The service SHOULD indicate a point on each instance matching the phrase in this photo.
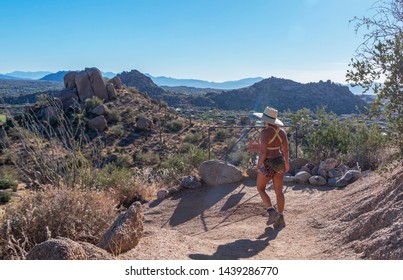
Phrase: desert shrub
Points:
(147, 158)
(239, 158)
(185, 147)
(130, 116)
(194, 137)
(174, 126)
(5, 197)
(92, 102)
(7, 183)
(53, 154)
(222, 134)
(349, 140)
(124, 161)
(80, 215)
(127, 185)
(120, 181)
(116, 130)
(114, 116)
(185, 163)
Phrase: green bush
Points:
(194, 137)
(174, 126)
(350, 140)
(114, 116)
(116, 130)
(7, 183)
(185, 163)
(5, 197)
(92, 102)
(120, 181)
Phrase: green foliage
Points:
(120, 181)
(222, 134)
(124, 161)
(194, 137)
(7, 183)
(5, 197)
(147, 158)
(116, 130)
(174, 126)
(114, 116)
(3, 118)
(93, 102)
(381, 56)
(351, 140)
(185, 163)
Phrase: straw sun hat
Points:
(269, 115)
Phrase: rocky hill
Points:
(142, 83)
(280, 93)
(286, 94)
(55, 77)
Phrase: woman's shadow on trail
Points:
(241, 249)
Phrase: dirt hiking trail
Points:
(360, 221)
(229, 222)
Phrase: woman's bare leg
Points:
(278, 182)
(261, 188)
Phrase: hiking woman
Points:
(273, 163)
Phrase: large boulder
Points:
(83, 83)
(67, 249)
(68, 97)
(217, 172)
(302, 177)
(98, 123)
(110, 88)
(125, 232)
(190, 182)
(97, 83)
(57, 249)
(117, 82)
(95, 253)
(348, 178)
(317, 181)
(328, 164)
(69, 80)
(144, 124)
(333, 173)
(296, 164)
(99, 110)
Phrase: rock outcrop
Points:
(98, 123)
(217, 172)
(67, 249)
(85, 84)
(125, 232)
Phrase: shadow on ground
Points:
(241, 249)
(193, 204)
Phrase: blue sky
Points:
(215, 40)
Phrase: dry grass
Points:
(80, 215)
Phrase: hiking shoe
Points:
(273, 216)
(280, 221)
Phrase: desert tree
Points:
(380, 58)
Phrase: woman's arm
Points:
(284, 148)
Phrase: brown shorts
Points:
(274, 165)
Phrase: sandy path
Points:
(229, 222)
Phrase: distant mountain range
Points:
(173, 82)
(5, 77)
(36, 75)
